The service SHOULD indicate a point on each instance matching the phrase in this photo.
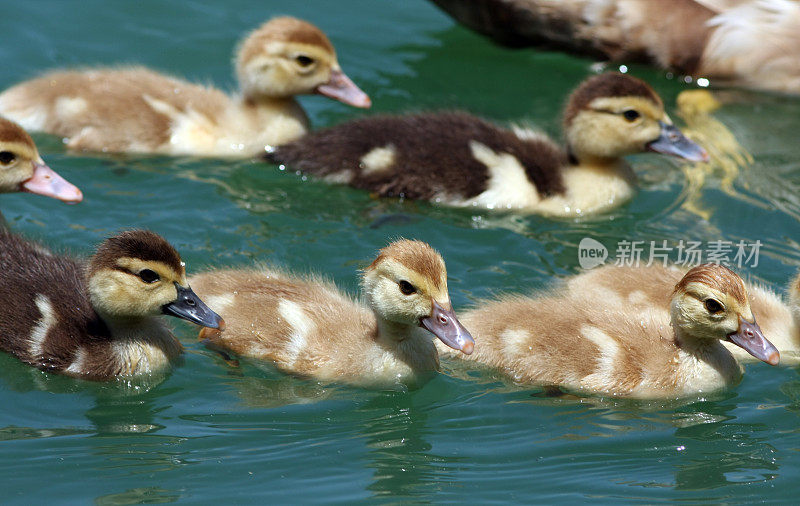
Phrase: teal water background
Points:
(207, 433)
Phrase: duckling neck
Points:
(140, 328)
(591, 185)
(413, 344)
(589, 161)
(705, 361)
(140, 345)
(272, 120)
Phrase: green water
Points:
(208, 433)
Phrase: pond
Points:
(210, 433)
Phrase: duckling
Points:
(137, 110)
(751, 43)
(22, 169)
(98, 319)
(309, 328)
(598, 346)
(649, 287)
(726, 155)
(460, 160)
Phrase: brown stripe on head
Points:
(12, 132)
(718, 277)
(283, 29)
(138, 244)
(418, 256)
(608, 85)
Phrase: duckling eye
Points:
(6, 157)
(631, 115)
(148, 276)
(406, 287)
(303, 60)
(713, 306)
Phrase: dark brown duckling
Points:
(97, 319)
(459, 160)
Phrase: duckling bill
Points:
(456, 159)
(97, 319)
(23, 170)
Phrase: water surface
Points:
(208, 433)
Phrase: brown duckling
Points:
(137, 110)
(23, 170)
(593, 344)
(752, 43)
(459, 160)
(309, 328)
(98, 319)
(650, 287)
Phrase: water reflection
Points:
(708, 448)
(260, 385)
(715, 451)
(396, 435)
(144, 495)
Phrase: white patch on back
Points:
(637, 297)
(527, 134)
(300, 324)
(69, 107)
(513, 341)
(32, 117)
(378, 160)
(608, 350)
(219, 303)
(342, 177)
(508, 186)
(188, 129)
(77, 365)
(43, 326)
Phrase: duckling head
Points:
(286, 57)
(138, 274)
(407, 285)
(22, 169)
(711, 302)
(613, 115)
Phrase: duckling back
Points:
(449, 157)
(119, 110)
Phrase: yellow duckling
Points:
(137, 110)
(725, 153)
(459, 160)
(309, 328)
(649, 287)
(22, 169)
(593, 344)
